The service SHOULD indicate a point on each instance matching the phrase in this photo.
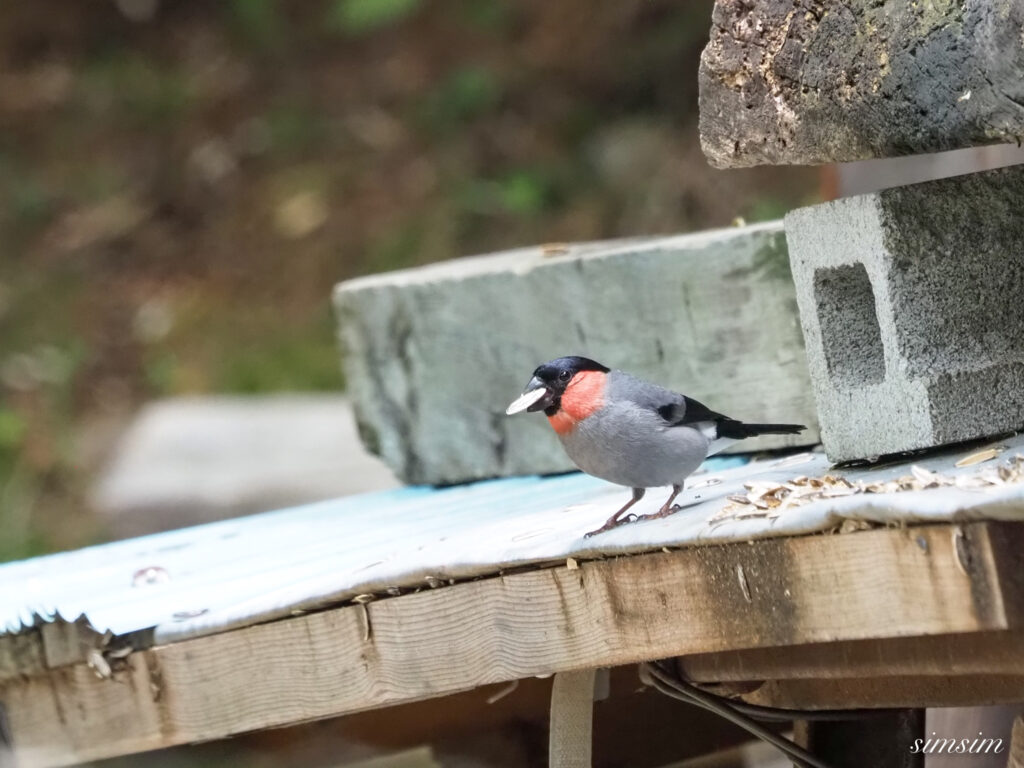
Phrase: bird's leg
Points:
(614, 520)
(667, 508)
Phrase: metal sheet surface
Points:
(213, 577)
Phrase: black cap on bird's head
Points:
(549, 382)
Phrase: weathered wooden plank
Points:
(68, 642)
(21, 654)
(48, 645)
(962, 654)
(780, 592)
(6, 749)
(72, 711)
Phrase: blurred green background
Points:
(181, 185)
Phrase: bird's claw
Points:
(610, 525)
(630, 518)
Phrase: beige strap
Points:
(572, 713)
(1016, 757)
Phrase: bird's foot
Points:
(613, 522)
(663, 512)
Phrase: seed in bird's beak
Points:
(525, 400)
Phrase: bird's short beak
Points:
(536, 397)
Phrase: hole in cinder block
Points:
(849, 326)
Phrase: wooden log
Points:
(884, 583)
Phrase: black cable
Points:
(781, 715)
(663, 682)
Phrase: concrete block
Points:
(806, 82)
(912, 305)
(186, 461)
(433, 355)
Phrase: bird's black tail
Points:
(737, 430)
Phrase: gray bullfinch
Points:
(628, 431)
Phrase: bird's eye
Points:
(563, 375)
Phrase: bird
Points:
(628, 431)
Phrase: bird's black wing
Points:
(726, 427)
(689, 411)
(679, 410)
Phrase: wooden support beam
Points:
(979, 653)
(896, 691)
(884, 583)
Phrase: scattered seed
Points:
(977, 458)
(744, 587)
(99, 664)
(554, 249)
(769, 499)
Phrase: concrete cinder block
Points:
(912, 305)
(806, 82)
(433, 355)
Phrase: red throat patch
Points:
(583, 395)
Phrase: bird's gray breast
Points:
(629, 445)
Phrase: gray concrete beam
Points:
(433, 355)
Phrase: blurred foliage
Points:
(181, 184)
(358, 17)
(258, 22)
(466, 93)
(485, 14)
(151, 96)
